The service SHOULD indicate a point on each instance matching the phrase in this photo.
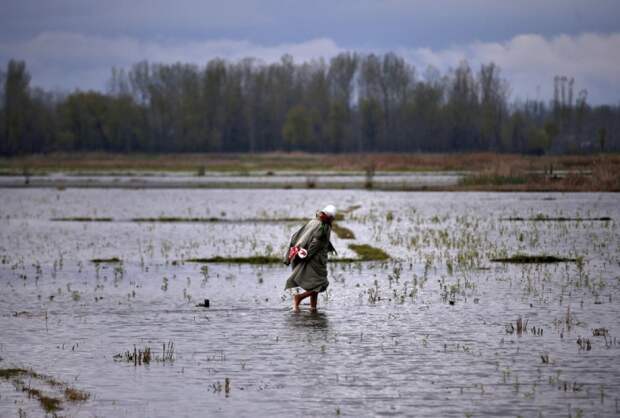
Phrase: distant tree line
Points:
(354, 103)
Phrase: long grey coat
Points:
(310, 273)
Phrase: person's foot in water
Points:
(313, 300)
(296, 300)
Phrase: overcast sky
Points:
(70, 44)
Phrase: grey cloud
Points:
(528, 61)
(352, 23)
(531, 61)
(74, 43)
(71, 60)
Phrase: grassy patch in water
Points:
(530, 259)
(174, 219)
(75, 395)
(170, 219)
(351, 208)
(178, 219)
(342, 232)
(106, 260)
(340, 215)
(81, 219)
(489, 179)
(369, 253)
(365, 253)
(49, 404)
(11, 372)
(256, 259)
(543, 218)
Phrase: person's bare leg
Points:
(298, 298)
(314, 297)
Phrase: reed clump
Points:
(145, 355)
(138, 356)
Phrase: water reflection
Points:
(306, 319)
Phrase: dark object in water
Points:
(206, 304)
(524, 258)
(600, 332)
(584, 343)
(451, 302)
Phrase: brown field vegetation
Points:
(303, 161)
(484, 171)
(567, 173)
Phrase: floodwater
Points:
(425, 334)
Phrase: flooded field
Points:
(440, 329)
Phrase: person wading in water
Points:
(307, 253)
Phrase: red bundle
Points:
(292, 252)
(295, 251)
